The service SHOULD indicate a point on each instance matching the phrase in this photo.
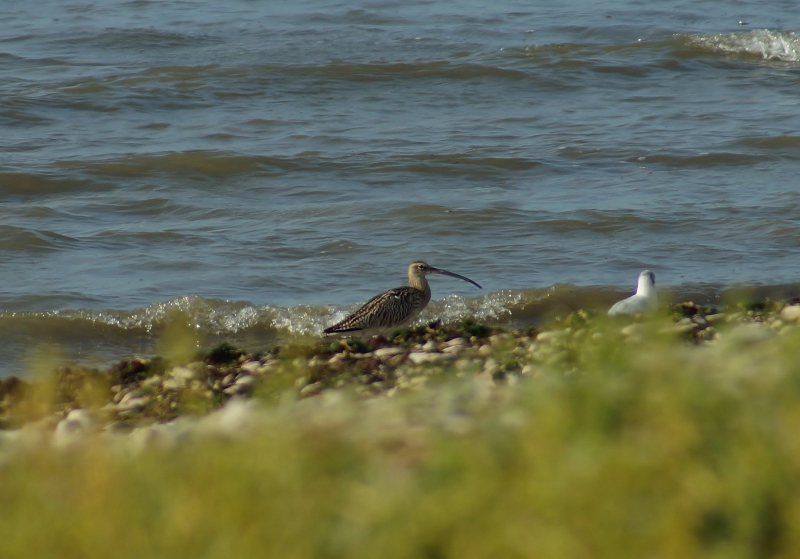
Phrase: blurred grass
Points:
(652, 448)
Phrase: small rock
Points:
(454, 349)
(419, 357)
(228, 380)
(73, 428)
(338, 358)
(184, 373)
(153, 381)
(485, 350)
(133, 404)
(387, 352)
(130, 396)
(791, 313)
(491, 366)
(430, 345)
(173, 384)
(685, 328)
(549, 336)
(311, 389)
(251, 366)
(243, 384)
(714, 318)
(735, 317)
(707, 334)
(246, 380)
(632, 330)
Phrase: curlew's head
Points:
(418, 270)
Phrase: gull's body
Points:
(395, 308)
(645, 300)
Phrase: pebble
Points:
(128, 396)
(714, 318)
(173, 384)
(184, 373)
(243, 384)
(311, 389)
(387, 352)
(73, 428)
(457, 342)
(491, 366)
(551, 336)
(418, 357)
(133, 404)
(632, 330)
(681, 328)
(251, 366)
(430, 345)
(734, 317)
(153, 381)
(500, 338)
(791, 313)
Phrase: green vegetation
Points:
(590, 439)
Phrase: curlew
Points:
(394, 308)
(644, 301)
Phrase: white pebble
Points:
(72, 428)
(791, 313)
(251, 366)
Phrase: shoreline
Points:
(140, 392)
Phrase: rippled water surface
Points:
(252, 169)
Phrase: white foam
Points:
(769, 45)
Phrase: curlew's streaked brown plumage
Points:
(394, 308)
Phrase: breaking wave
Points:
(759, 43)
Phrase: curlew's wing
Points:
(390, 308)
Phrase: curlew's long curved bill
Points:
(441, 272)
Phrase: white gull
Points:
(645, 300)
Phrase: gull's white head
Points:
(647, 283)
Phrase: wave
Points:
(510, 307)
(216, 164)
(758, 43)
(96, 338)
(30, 184)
